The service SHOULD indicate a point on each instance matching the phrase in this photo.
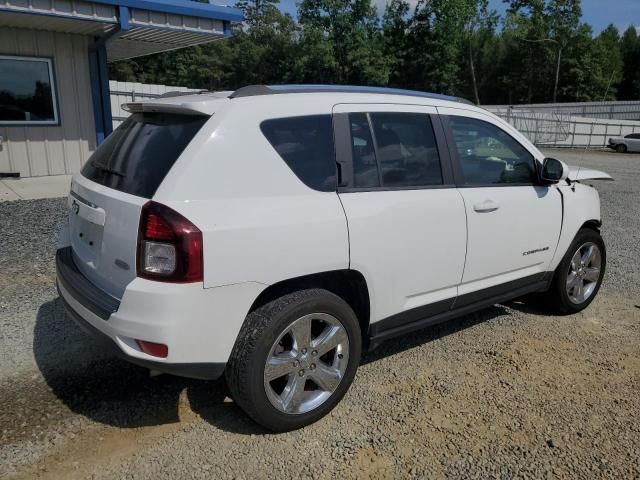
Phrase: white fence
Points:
(623, 110)
(124, 92)
(578, 125)
(548, 128)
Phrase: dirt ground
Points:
(510, 392)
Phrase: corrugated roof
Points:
(147, 26)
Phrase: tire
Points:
(276, 333)
(566, 298)
(621, 148)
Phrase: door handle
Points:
(486, 206)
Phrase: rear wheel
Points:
(294, 359)
(621, 148)
(579, 276)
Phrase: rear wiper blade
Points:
(106, 169)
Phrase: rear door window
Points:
(406, 148)
(306, 146)
(365, 165)
(137, 156)
(401, 153)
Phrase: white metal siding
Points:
(49, 12)
(549, 128)
(620, 110)
(52, 150)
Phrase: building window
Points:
(27, 91)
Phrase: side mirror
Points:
(553, 171)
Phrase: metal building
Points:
(54, 88)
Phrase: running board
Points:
(379, 335)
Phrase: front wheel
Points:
(294, 359)
(621, 148)
(579, 275)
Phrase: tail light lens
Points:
(169, 246)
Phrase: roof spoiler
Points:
(195, 108)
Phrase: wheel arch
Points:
(593, 224)
(581, 209)
(348, 284)
(566, 240)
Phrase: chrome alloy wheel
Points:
(306, 363)
(584, 273)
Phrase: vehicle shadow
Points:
(534, 304)
(432, 333)
(86, 377)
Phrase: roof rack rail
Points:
(178, 93)
(255, 90)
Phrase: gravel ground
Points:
(509, 392)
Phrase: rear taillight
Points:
(169, 246)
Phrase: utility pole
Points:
(555, 87)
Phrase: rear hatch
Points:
(118, 179)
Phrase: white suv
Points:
(272, 233)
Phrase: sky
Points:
(598, 13)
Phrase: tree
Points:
(262, 50)
(480, 35)
(530, 26)
(265, 49)
(563, 17)
(348, 32)
(629, 88)
(608, 55)
(542, 52)
(427, 57)
(593, 67)
(395, 26)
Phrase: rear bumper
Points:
(199, 325)
(203, 371)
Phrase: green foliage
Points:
(459, 47)
(629, 88)
(346, 34)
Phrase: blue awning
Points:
(186, 8)
(134, 27)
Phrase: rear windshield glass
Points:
(137, 156)
(306, 145)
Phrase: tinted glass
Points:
(633, 136)
(137, 156)
(365, 166)
(489, 155)
(406, 149)
(26, 90)
(306, 146)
